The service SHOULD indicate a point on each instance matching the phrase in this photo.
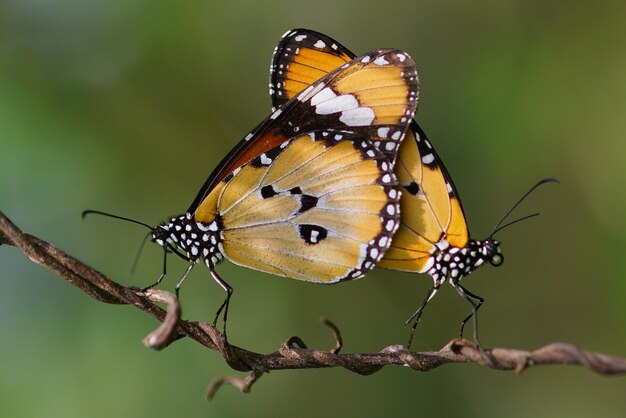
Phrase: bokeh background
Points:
(126, 106)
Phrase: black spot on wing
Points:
(412, 188)
(307, 202)
(312, 234)
(296, 190)
(268, 191)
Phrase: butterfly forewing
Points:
(299, 60)
(324, 217)
(431, 209)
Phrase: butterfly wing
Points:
(375, 90)
(431, 210)
(430, 204)
(323, 209)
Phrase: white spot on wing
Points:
(383, 132)
(428, 158)
(276, 114)
(335, 104)
(443, 244)
(362, 116)
(381, 61)
(319, 44)
(325, 95)
(265, 160)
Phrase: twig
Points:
(165, 333)
(293, 354)
(338, 340)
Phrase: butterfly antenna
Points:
(523, 218)
(498, 226)
(143, 242)
(110, 215)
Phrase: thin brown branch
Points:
(293, 354)
(338, 340)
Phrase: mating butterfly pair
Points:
(328, 187)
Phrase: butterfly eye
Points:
(158, 234)
(496, 260)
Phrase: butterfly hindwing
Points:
(431, 208)
(323, 210)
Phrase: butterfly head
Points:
(160, 234)
(489, 250)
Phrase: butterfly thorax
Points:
(195, 239)
(454, 263)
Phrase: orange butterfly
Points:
(433, 237)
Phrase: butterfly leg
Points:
(182, 279)
(475, 301)
(226, 303)
(418, 313)
(143, 289)
(478, 305)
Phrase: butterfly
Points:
(433, 236)
(307, 194)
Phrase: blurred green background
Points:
(126, 106)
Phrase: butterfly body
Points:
(454, 263)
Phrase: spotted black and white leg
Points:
(182, 279)
(143, 289)
(226, 303)
(418, 313)
(471, 298)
